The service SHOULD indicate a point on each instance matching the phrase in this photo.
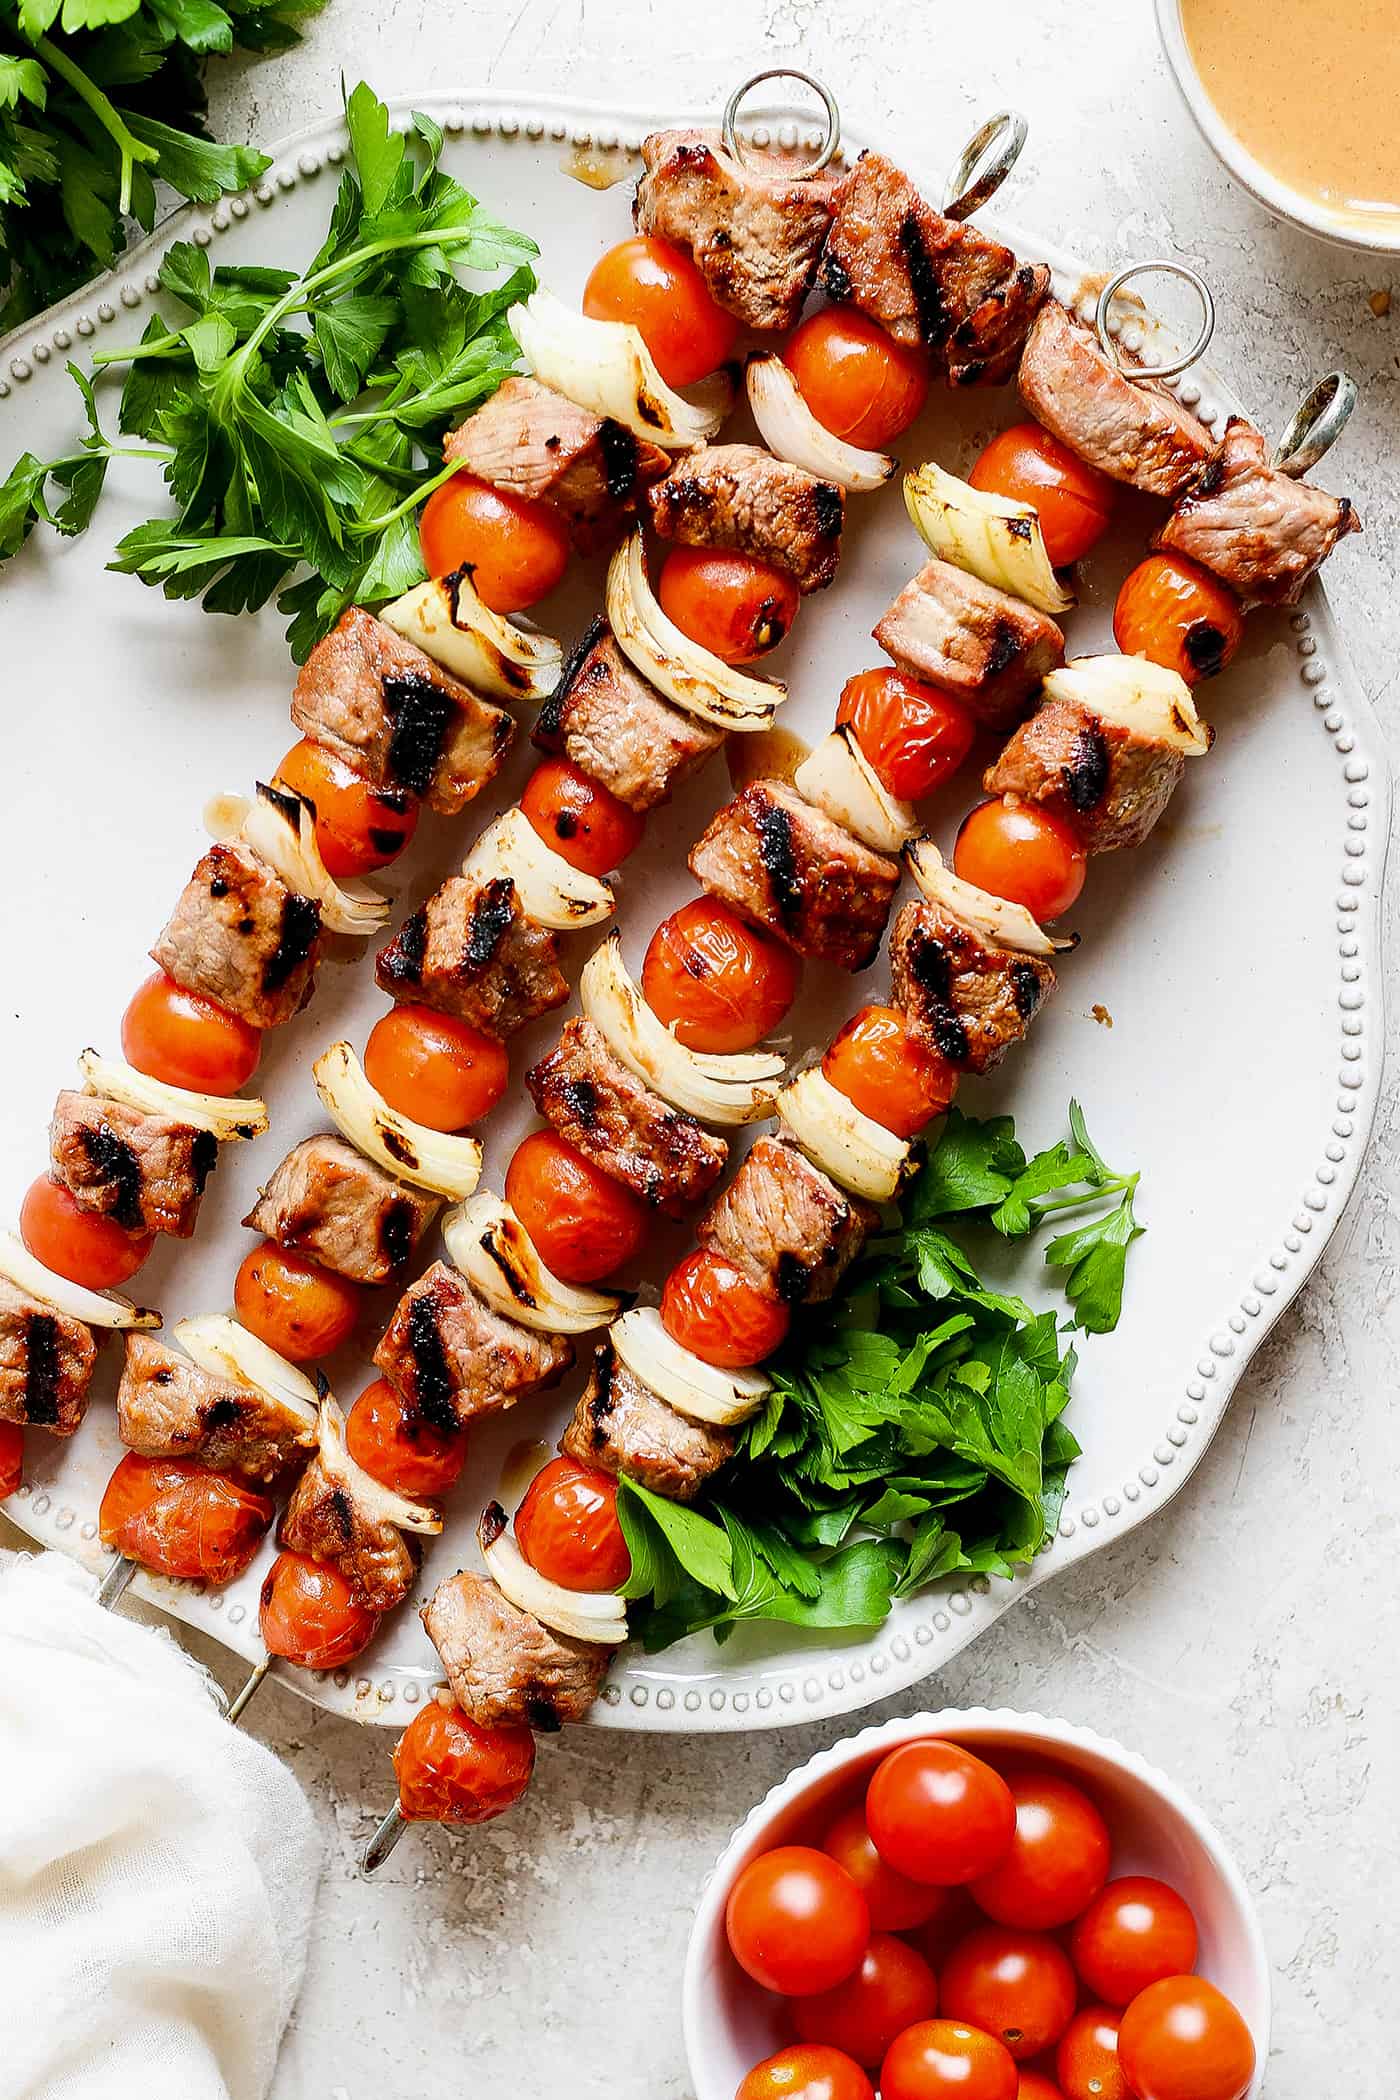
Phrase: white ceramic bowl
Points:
(730, 2024)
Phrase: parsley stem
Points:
(161, 346)
(1113, 1185)
(411, 502)
(108, 116)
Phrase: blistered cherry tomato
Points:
(734, 605)
(892, 1988)
(435, 1068)
(879, 1063)
(896, 1904)
(1176, 613)
(720, 984)
(295, 1307)
(1019, 851)
(806, 2071)
(11, 1458)
(1135, 1932)
(1182, 2039)
(709, 1306)
(943, 2060)
(398, 1448)
(1074, 501)
(450, 1770)
(796, 1922)
(186, 1039)
(659, 290)
(178, 1518)
(859, 383)
(307, 1614)
(358, 827)
(516, 549)
(1017, 1985)
(1058, 1857)
(938, 1813)
(79, 1244)
(1086, 2061)
(1034, 2085)
(914, 736)
(581, 819)
(583, 1222)
(567, 1528)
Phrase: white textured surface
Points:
(1247, 1640)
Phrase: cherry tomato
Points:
(879, 1063)
(1021, 852)
(1074, 501)
(943, 2060)
(295, 1307)
(11, 1458)
(1135, 1932)
(859, 383)
(891, 1989)
(450, 1770)
(583, 1222)
(709, 1306)
(1086, 2062)
(516, 549)
(914, 736)
(896, 1904)
(720, 984)
(79, 1244)
(1019, 1985)
(939, 1814)
(659, 290)
(358, 827)
(1034, 2085)
(1182, 2039)
(796, 1922)
(180, 1519)
(187, 1040)
(734, 605)
(1058, 1858)
(398, 1448)
(307, 1614)
(581, 819)
(806, 2071)
(1176, 613)
(438, 1070)
(567, 1527)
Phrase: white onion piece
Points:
(1133, 693)
(224, 1348)
(996, 920)
(724, 1089)
(788, 427)
(428, 1159)
(446, 619)
(839, 778)
(551, 892)
(605, 367)
(992, 537)
(857, 1152)
(580, 1615)
(93, 1308)
(689, 676)
(224, 1116)
(488, 1243)
(682, 1380)
(280, 828)
(381, 1505)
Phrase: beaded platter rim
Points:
(926, 1631)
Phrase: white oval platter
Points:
(1221, 1021)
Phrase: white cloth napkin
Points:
(157, 1867)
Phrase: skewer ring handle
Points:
(984, 163)
(1172, 366)
(826, 153)
(1316, 424)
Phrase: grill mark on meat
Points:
(1004, 650)
(835, 278)
(1025, 990)
(1086, 775)
(402, 961)
(923, 282)
(220, 1414)
(492, 1525)
(396, 1232)
(491, 917)
(41, 1369)
(218, 886)
(204, 1157)
(779, 860)
(433, 1379)
(540, 1711)
(932, 969)
(621, 452)
(792, 1278)
(581, 1100)
(301, 926)
(341, 1513)
(420, 712)
(830, 509)
(114, 1160)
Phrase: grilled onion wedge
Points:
(858, 1153)
(991, 918)
(995, 538)
(839, 778)
(280, 828)
(93, 1308)
(605, 367)
(381, 1505)
(788, 427)
(1132, 693)
(580, 1615)
(488, 1243)
(447, 620)
(428, 1159)
(224, 1116)
(683, 1381)
(692, 678)
(727, 1089)
(224, 1348)
(551, 891)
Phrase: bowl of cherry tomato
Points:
(976, 1906)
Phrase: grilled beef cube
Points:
(1133, 430)
(503, 1665)
(452, 1358)
(595, 1103)
(987, 648)
(538, 444)
(928, 280)
(46, 1363)
(754, 229)
(1257, 529)
(240, 936)
(167, 1407)
(966, 998)
(606, 718)
(786, 1225)
(328, 1201)
(472, 952)
(788, 867)
(742, 497)
(397, 718)
(622, 1426)
(1109, 782)
(144, 1172)
(324, 1520)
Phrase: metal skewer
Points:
(826, 153)
(383, 1841)
(113, 1585)
(247, 1690)
(1316, 424)
(1170, 368)
(984, 163)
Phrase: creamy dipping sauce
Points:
(1311, 88)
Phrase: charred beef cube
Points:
(786, 1225)
(604, 717)
(503, 1665)
(452, 1358)
(742, 497)
(538, 444)
(472, 952)
(328, 1201)
(622, 1426)
(1109, 782)
(596, 1104)
(969, 1000)
(240, 936)
(325, 1520)
(755, 230)
(1131, 429)
(396, 718)
(46, 1363)
(988, 649)
(1256, 529)
(783, 865)
(144, 1172)
(167, 1407)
